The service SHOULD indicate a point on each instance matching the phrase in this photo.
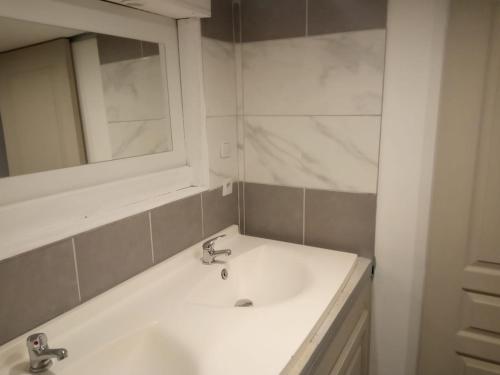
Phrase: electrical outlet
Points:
(227, 187)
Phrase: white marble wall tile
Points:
(219, 131)
(325, 152)
(134, 90)
(219, 73)
(137, 138)
(333, 74)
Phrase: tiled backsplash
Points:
(38, 285)
(311, 86)
(277, 19)
(327, 75)
(308, 77)
(322, 218)
(322, 152)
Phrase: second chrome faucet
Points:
(40, 354)
(209, 253)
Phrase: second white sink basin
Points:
(145, 351)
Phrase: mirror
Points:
(70, 97)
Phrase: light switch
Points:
(225, 150)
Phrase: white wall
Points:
(415, 45)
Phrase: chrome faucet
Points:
(40, 353)
(209, 254)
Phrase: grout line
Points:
(76, 270)
(202, 221)
(307, 17)
(151, 237)
(304, 216)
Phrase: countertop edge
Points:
(312, 346)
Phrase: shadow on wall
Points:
(4, 167)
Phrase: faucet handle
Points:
(37, 342)
(209, 244)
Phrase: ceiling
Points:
(16, 34)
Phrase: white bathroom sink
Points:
(145, 351)
(266, 275)
(180, 318)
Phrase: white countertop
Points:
(179, 316)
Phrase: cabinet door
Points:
(356, 365)
(354, 357)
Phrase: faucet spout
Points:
(40, 354)
(59, 354)
(209, 253)
(222, 252)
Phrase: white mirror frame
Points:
(40, 208)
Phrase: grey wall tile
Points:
(334, 16)
(113, 253)
(265, 20)
(340, 221)
(274, 212)
(219, 212)
(176, 226)
(35, 287)
(220, 25)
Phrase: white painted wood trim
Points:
(31, 224)
(90, 15)
(91, 98)
(416, 31)
(171, 8)
(193, 98)
(101, 17)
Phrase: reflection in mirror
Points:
(69, 97)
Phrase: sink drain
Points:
(224, 274)
(244, 302)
